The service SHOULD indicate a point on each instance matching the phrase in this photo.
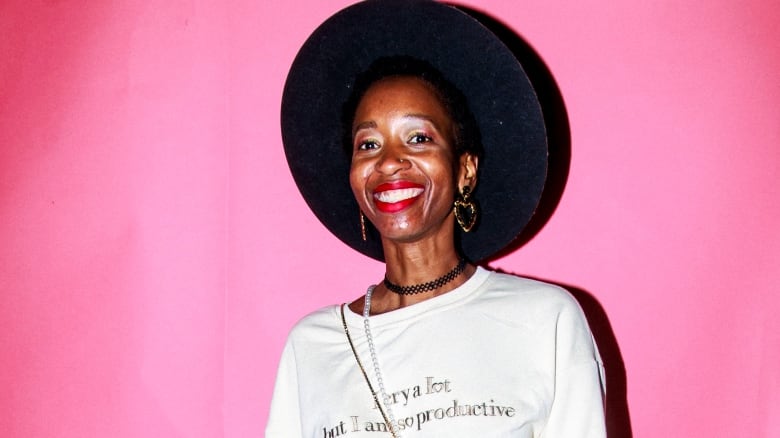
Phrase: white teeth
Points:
(391, 196)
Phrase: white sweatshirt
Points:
(500, 356)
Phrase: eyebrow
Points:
(428, 119)
(363, 125)
(372, 124)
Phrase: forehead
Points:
(403, 93)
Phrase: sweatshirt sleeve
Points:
(284, 419)
(577, 410)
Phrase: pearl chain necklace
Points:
(385, 399)
(375, 362)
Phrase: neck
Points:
(437, 283)
(417, 263)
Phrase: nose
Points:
(392, 160)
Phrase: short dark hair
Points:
(467, 137)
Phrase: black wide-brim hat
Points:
(513, 169)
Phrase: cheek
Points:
(357, 181)
(443, 174)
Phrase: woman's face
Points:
(404, 173)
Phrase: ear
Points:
(467, 171)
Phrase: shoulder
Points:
(324, 318)
(315, 338)
(320, 327)
(526, 291)
(548, 310)
(528, 302)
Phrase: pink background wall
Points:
(154, 250)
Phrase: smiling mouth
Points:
(398, 195)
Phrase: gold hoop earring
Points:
(465, 209)
(363, 226)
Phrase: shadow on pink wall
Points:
(559, 144)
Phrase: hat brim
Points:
(513, 169)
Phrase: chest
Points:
(439, 382)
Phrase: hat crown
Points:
(506, 108)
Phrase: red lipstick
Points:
(392, 197)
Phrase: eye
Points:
(419, 137)
(366, 145)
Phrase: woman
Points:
(440, 346)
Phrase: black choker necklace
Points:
(431, 285)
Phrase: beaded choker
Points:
(429, 286)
